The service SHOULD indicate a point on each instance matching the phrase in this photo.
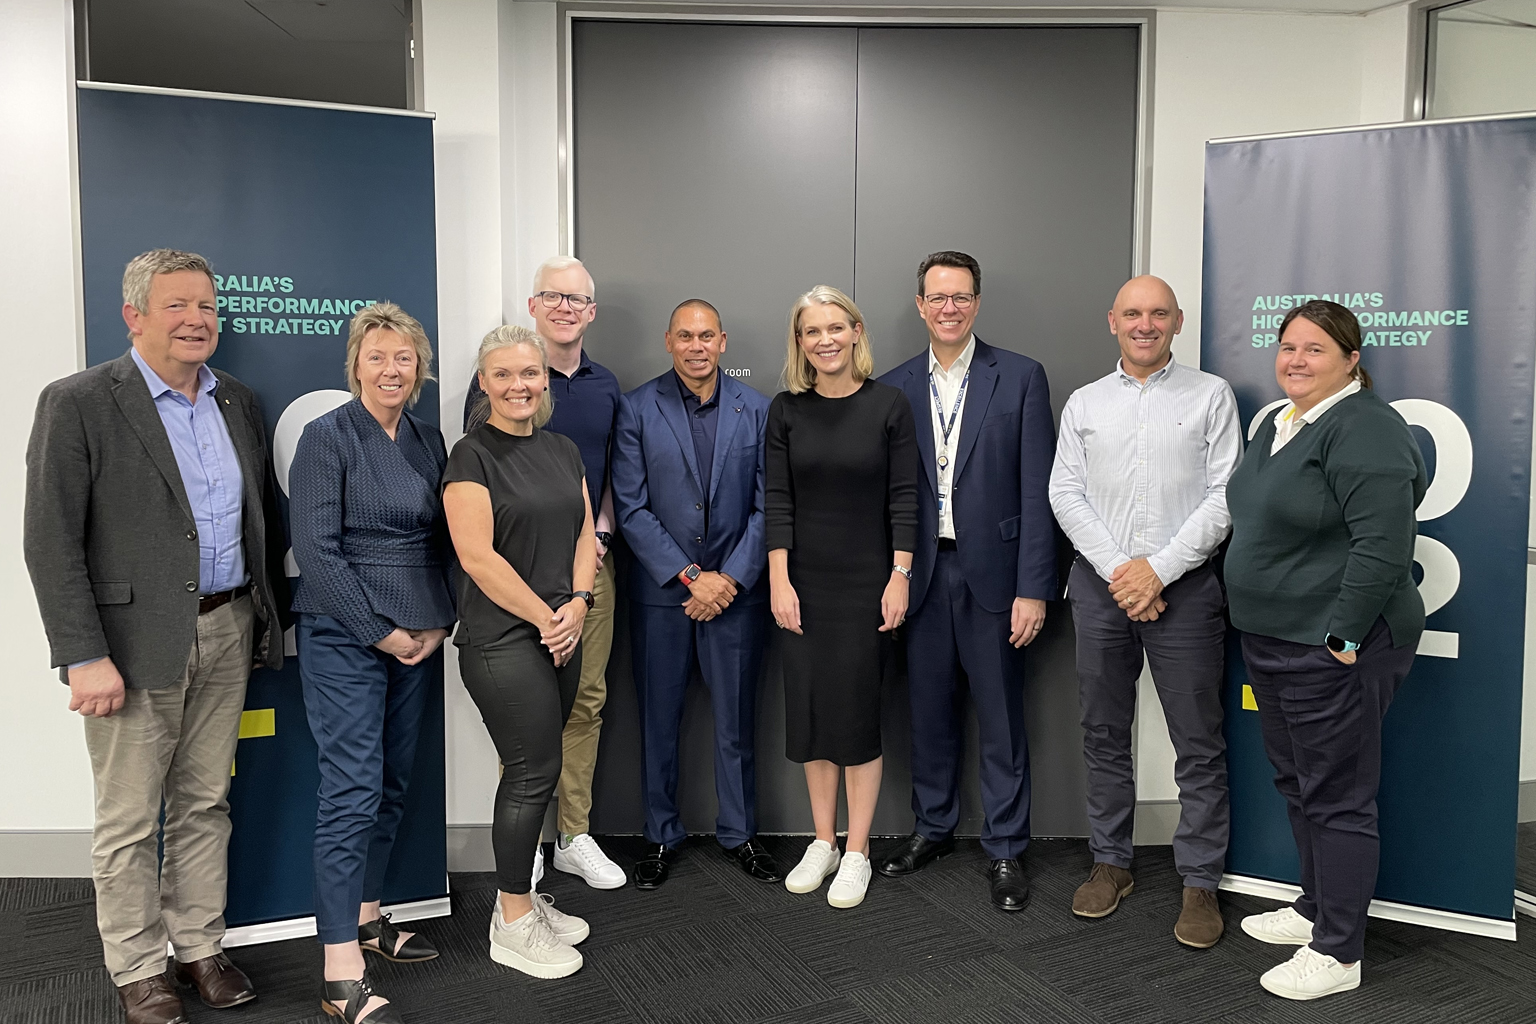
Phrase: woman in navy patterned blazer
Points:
(374, 600)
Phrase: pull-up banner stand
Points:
(307, 213)
(1427, 231)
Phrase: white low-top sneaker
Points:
(852, 881)
(821, 859)
(530, 945)
(568, 928)
(1283, 927)
(1310, 975)
(584, 858)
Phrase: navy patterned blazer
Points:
(366, 517)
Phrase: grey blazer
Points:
(109, 537)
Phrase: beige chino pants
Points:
(582, 729)
(173, 746)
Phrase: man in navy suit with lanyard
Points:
(984, 567)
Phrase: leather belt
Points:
(947, 544)
(208, 602)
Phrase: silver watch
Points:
(903, 570)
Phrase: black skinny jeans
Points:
(524, 700)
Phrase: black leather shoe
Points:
(913, 854)
(382, 931)
(654, 865)
(755, 861)
(1010, 889)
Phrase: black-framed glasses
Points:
(552, 300)
(962, 300)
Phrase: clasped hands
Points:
(710, 594)
(1136, 588)
(412, 646)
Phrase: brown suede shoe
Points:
(218, 981)
(1200, 924)
(152, 1001)
(1107, 885)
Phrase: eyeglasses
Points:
(552, 300)
(962, 300)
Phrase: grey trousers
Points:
(1185, 648)
(172, 747)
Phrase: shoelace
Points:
(1309, 961)
(544, 903)
(586, 847)
(848, 872)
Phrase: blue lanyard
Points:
(938, 407)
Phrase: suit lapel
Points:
(673, 411)
(916, 388)
(727, 419)
(131, 392)
(978, 397)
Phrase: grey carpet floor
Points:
(714, 947)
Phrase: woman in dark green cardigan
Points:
(1319, 581)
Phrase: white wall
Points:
(1483, 68)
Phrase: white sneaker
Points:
(821, 859)
(568, 928)
(852, 881)
(530, 945)
(582, 856)
(1283, 927)
(1310, 975)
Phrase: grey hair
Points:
(143, 268)
(386, 316)
(506, 336)
(554, 265)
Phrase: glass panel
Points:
(1482, 58)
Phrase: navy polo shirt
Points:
(586, 411)
(703, 418)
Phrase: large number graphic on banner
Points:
(307, 215)
(1425, 232)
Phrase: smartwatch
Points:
(585, 595)
(604, 538)
(690, 574)
(1341, 646)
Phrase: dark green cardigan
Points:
(1323, 530)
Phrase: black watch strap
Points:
(585, 595)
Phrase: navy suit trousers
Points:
(1321, 721)
(951, 632)
(728, 650)
(364, 709)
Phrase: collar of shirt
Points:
(1311, 415)
(688, 395)
(957, 368)
(206, 381)
(1153, 378)
(583, 367)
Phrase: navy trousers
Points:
(728, 650)
(364, 709)
(1321, 721)
(948, 633)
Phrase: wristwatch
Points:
(604, 538)
(690, 574)
(903, 570)
(585, 595)
(1341, 646)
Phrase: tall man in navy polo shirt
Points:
(586, 408)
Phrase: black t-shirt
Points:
(535, 484)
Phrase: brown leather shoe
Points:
(219, 982)
(1200, 924)
(152, 1001)
(1107, 885)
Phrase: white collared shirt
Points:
(948, 383)
(1288, 424)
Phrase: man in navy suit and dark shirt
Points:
(688, 487)
(984, 567)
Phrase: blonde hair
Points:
(554, 265)
(799, 374)
(386, 316)
(506, 336)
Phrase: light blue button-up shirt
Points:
(210, 472)
(1141, 469)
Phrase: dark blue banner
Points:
(307, 215)
(1427, 232)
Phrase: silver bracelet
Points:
(903, 570)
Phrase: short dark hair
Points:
(699, 303)
(949, 258)
(1336, 321)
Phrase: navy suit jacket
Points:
(661, 504)
(1005, 534)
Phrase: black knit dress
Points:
(842, 497)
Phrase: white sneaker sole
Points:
(845, 902)
(1286, 993)
(596, 883)
(802, 887)
(508, 958)
(1272, 938)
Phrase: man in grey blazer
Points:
(147, 511)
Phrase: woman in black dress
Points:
(842, 522)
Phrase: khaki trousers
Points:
(579, 740)
(170, 747)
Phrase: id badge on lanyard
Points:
(945, 427)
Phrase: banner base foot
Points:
(1446, 920)
(304, 927)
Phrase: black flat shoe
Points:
(654, 866)
(383, 931)
(355, 996)
(1010, 889)
(913, 854)
(755, 861)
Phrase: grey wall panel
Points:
(1016, 145)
